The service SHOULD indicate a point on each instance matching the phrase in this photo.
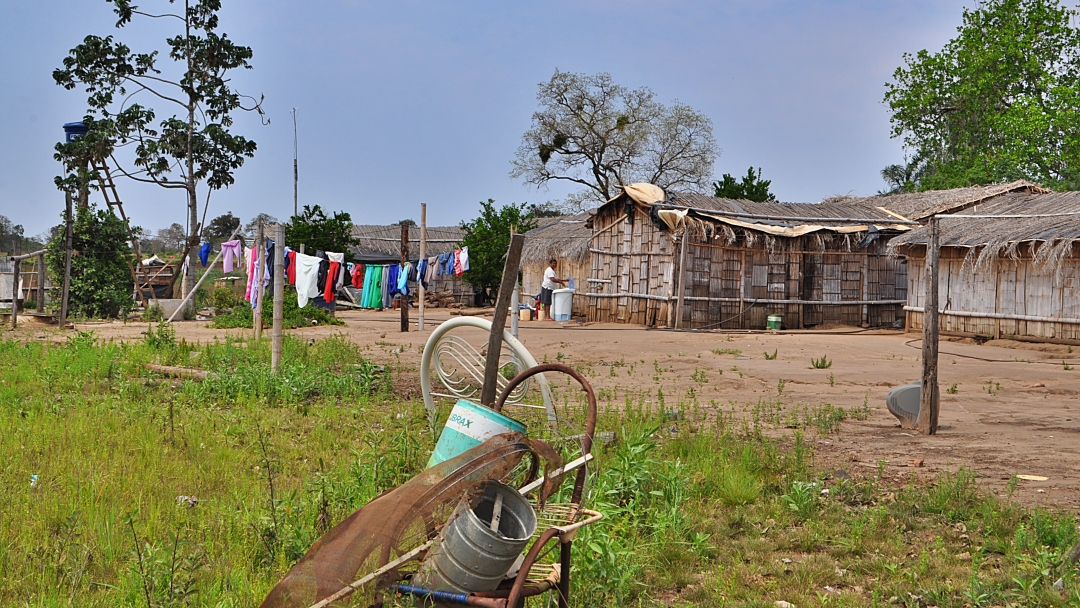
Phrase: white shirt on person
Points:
(549, 276)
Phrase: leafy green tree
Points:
(221, 227)
(317, 232)
(127, 90)
(599, 135)
(1000, 101)
(100, 278)
(750, 188)
(488, 238)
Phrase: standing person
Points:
(550, 284)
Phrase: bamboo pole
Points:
(66, 289)
(15, 294)
(403, 300)
(682, 279)
(279, 297)
(259, 268)
(515, 301)
(502, 303)
(929, 397)
(41, 282)
(423, 256)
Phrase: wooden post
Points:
(515, 299)
(929, 395)
(682, 278)
(66, 288)
(403, 299)
(502, 303)
(423, 256)
(41, 283)
(279, 297)
(260, 268)
(15, 294)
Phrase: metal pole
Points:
(295, 171)
(279, 297)
(403, 300)
(929, 396)
(66, 289)
(502, 303)
(423, 256)
(260, 267)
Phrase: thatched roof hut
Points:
(921, 205)
(1002, 272)
(382, 244)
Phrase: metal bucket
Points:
(773, 321)
(468, 426)
(469, 556)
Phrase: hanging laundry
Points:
(269, 265)
(464, 259)
(433, 265)
(232, 252)
(331, 282)
(339, 277)
(403, 279)
(358, 276)
(204, 253)
(289, 261)
(386, 287)
(250, 252)
(307, 277)
(392, 278)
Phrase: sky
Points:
(405, 102)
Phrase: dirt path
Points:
(1017, 413)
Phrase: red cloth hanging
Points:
(358, 276)
(331, 282)
(290, 274)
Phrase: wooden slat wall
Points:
(640, 259)
(1016, 287)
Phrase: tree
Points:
(903, 178)
(597, 134)
(173, 237)
(100, 279)
(1000, 101)
(488, 239)
(750, 188)
(192, 147)
(12, 237)
(221, 227)
(265, 218)
(317, 232)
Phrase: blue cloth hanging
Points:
(204, 253)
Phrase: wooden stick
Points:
(260, 268)
(66, 289)
(682, 279)
(15, 295)
(423, 256)
(403, 300)
(181, 372)
(929, 396)
(502, 304)
(41, 283)
(279, 297)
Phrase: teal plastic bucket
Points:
(470, 425)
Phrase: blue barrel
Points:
(470, 425)
(74, 130)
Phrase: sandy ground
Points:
(1016, 408)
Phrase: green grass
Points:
(700, 511)
(239, 313)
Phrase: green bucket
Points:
(468, 426)
(773, 321)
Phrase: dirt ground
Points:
(1015, 407)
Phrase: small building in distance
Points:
(382, 245)
(565, 238)
(1002, 276)
(698, 262)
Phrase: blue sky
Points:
(406, 102)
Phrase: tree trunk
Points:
(193, 238)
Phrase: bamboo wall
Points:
(1049, 300)
(641, 266)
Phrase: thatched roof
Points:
(1047, 239)
(830, 213)
(564, 238)
(921, 205)
(383, 243)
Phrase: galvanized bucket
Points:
(470, 425)
(469, 555)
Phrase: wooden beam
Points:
(929, 401)
(260, 269)
(502, 305)
(423, 256)
(279, 298)
(403, 300)
(41, 283)
(680, 290)
(15, 295)
(66, 288)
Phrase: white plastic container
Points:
(562, 304)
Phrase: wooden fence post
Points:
(502, 303)
(41, 283)
(279, 297)
(15, 294)
(423, 256)
(929, 397)
(403, 300)
(682, 277)
(259, 269)
(66, 288)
